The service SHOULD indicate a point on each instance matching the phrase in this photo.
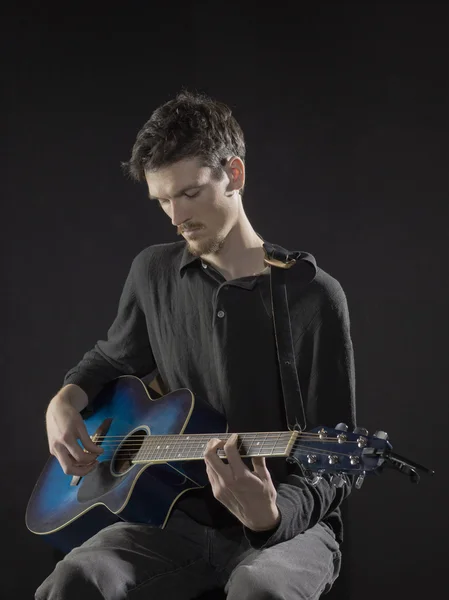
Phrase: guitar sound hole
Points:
(125, 453)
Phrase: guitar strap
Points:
(281, 261)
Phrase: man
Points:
(198, 312)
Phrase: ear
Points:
(235, 170)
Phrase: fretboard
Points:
(164, 448)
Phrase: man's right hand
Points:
(65, 427)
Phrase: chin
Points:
(200, 247)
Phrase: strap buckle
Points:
(278, 257)
(274, 262)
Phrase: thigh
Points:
(302, 568)
(134, 561)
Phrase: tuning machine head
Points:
(339, 480)
(360, 479)
(341, 427)
(361, 430)
(315, 478)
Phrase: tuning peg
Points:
(341, 427)
(360, 479)
(338, 480)
(316, 478)
(383, 435)
(361, 430)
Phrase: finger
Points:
(69, 465)
(260, 467)
(215, 462)
(87, 442)
(238, 467)
(72, 446)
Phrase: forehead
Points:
(170, 180)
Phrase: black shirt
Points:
(178, 316)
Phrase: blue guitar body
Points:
(144, 493)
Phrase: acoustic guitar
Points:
(153, 454)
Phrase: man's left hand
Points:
(249, 495)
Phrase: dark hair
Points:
(191, 125)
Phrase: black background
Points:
(344, 109)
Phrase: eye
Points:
(192, 195)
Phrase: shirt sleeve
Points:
(126, 350)
(330, 393)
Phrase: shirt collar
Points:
(272, 251)
(188, 260)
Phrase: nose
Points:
(179, 213)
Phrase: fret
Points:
(165, 446)
(150, 449)
(171, 443)
(157, 448)
(202, 447)
(177, 446)
(248, 449)
(188, 449)
(263, 443)
(141, 453)
(174, 450)
(278, 438)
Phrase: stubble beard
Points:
(213, 245)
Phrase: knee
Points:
(66, 581)
(253, 583)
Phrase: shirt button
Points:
(204, 265)
(220, 314)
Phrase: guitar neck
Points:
(169, 448)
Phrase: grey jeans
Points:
(185, 559)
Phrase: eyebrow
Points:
(181, 192)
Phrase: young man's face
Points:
(202, 209)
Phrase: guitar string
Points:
(197, 446)
(154, 439)
(198, 438)
(311, 433)
(221, 435)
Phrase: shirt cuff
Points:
(91, 388)
(281, 533)
(259, 539)
(266, 538)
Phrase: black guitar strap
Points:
(281, 261)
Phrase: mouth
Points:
(190, 232)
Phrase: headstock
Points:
(340, 452)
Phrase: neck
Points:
(161, 448)
(242, 253)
